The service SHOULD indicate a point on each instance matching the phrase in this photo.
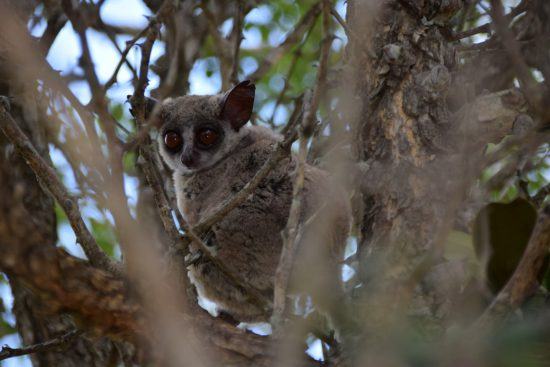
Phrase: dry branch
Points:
(308, 20)
(523, 282)
(489, 118)
(100, 301)
(64, 341)
(280, 151)
(529, 85)
(237, 37)
(48, 177)
(105, 305)
(349, 33)
(124, 54)
(290, 234)
(138, 101)
(487, 27)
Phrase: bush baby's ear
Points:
(237, 104)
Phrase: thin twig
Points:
(222, 45)
(528, 83)
(56, 22)
(160, 197)
(47, 175)
(137, 100)
(112, 37)
(296, 55)
(281, 150)
(308, 20)
(145, 126)
(129, 44)
(290, 234)
(146, 48)
(163, 205)
(224, 49)
(349, 33)
(56, 344)
(309, 114)
(237, 37)
(282, 94)
(541, 195)
(486, 28)
(282, 274)
(86, 62)
(171, 77)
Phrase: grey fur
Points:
(248, 240)
(185, 113)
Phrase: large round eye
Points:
(207, 136)
(173, 141)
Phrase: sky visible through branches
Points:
(204, 78)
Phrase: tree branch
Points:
(530, 87)
(106, 305)
(282, 274)
(490, 117)
(281, 150)
(129, 44)
(524, 280)
(308, 20)
(62, 342)
(485, 28)
(48, 177)
(237, 36)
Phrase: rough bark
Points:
(410, 147)
(403, 70)
(27, 219)
(420, 149)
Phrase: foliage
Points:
(487, 249)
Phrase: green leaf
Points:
(104, 235)
(129, 163)
(60, 215)
(6, 328)
(117, 111)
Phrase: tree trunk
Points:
(401, 65)
(27, 218)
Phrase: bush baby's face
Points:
(198, 131)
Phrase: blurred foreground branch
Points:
(47, 176)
